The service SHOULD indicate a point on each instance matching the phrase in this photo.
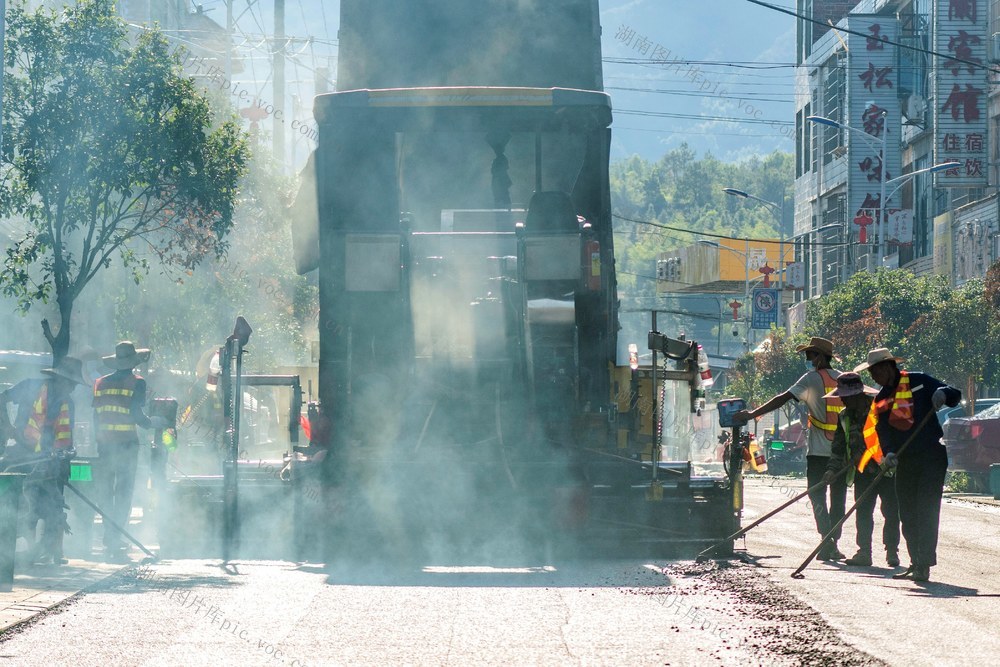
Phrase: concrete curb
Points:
(38, 589)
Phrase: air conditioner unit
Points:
(916, 107)
(994, 54)
(868, 262)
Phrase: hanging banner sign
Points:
(900, 227)
(796, 272)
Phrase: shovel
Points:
(871, 489)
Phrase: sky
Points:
(737, 61)
(736, 57)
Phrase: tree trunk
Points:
(970, 394)
(60, 341)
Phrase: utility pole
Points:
(229, 41)
(3, 36)
(279, 81)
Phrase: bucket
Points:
(10, 498)
(995, 480)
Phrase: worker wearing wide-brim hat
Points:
(907, 401)
(43, 437)
(811, 389)
(848, 451)
(118, 410)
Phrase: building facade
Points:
(897, 124)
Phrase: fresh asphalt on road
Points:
(583, 612)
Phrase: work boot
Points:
(892, 557)
(829, 551)
(119, 556)
(905, 574)
(921, 573)
(862, 559)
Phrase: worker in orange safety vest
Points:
(855, 445)
(903, 403)
(118, 410)
(812, 389)
(43, 446)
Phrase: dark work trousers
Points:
(885, 494)
(919, 484)
(43, 487)
(826, 515)
(116, 476)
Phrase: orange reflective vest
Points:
(901, 416)
(113, 417)
(873, 449)
(900, 409)
(62, 429)
(833, 407)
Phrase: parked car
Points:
(961, 410)
(974, 442)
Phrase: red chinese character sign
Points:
(961, 92)
(872, 108)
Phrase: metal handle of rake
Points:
(871, 489)
(104, 517)
(743, 531)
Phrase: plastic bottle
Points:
(759, 461)
(704, 368)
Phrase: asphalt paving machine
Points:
(468, 336)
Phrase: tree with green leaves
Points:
(935, 341)
(656, 200)
(184, 317)
(770, 370)
(109, 153)
(873, 309)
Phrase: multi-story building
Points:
(908, 84)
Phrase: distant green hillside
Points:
(684, 192)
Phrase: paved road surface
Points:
(950, 620)
(595, 612)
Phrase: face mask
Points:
(808, 364)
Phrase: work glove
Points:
(890, 460)
(159, 423)
(938, 398)
(828, 477)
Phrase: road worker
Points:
(907, 401)
(854, 427)
(118, 409)
(43, 437)
(812, 388)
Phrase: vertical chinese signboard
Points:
(960, 92)
(873, 108)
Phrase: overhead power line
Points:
(686, 116)
(869, 36)
(721, 236)
(687, 93)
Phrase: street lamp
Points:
(778, 208)
(822, 120)
(944, 166)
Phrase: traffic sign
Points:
(765, 308)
